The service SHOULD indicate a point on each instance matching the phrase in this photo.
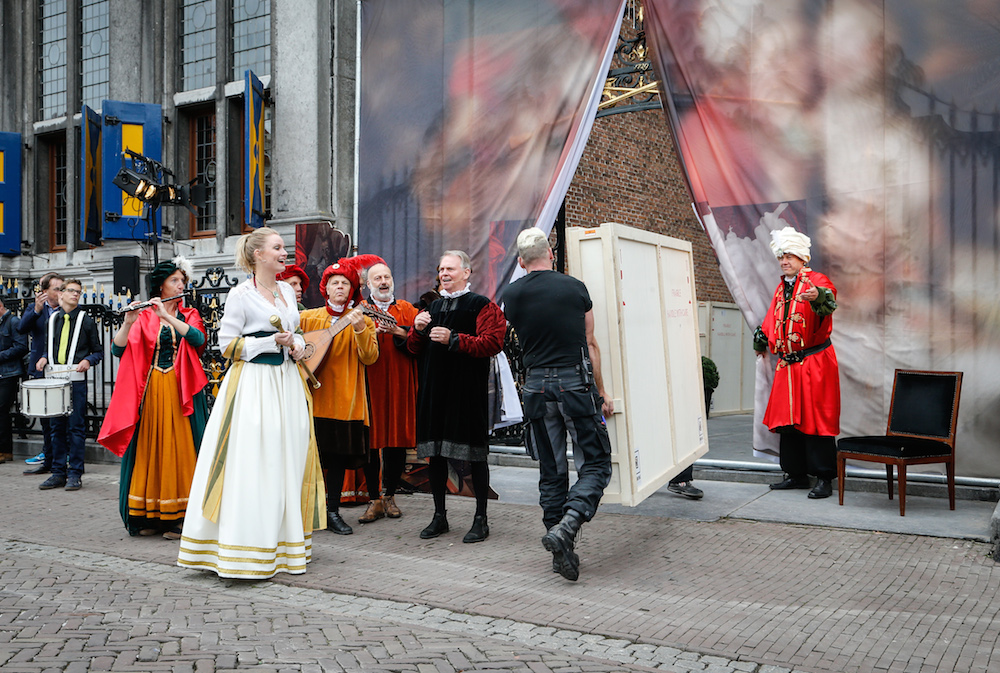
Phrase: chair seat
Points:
(894, 447)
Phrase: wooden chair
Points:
(921, 430)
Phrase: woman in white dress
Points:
(257, 493)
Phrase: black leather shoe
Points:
(480, 530)
(560, 541)
(41, 469)
(790, 483)
(336, 524)
(557, 562)
(74, 483)
(823, 489)
(437, 526)
(52, 482)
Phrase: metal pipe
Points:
(858, 472)
(357, 125)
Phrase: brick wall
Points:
(630, 174)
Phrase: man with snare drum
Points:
(72, 346)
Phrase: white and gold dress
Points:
(257, 493)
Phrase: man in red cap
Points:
(297, 278)
(340, 404)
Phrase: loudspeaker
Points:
(126, 275)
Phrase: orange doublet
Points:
(343, 394)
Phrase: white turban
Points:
(789, 240)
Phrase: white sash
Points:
(67, 371)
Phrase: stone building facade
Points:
(189, 58)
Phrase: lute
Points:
(318, 341)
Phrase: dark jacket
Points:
(13, 347)
(87, 348)
(36, 325)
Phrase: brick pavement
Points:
(720, 596)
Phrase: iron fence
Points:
(208, 296)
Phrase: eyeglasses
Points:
(72, 291)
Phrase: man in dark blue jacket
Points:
(34, 322)
(13, 348)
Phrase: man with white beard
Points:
(392, 389)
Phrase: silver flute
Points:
(147, 304)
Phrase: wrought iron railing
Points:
(208, 296)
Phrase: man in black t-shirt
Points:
(563, 394)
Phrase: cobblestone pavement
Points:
(78, 611)
(77, 594)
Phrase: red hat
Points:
(294, 270)
(350, 268)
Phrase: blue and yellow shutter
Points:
(253, 108)
(10, 193)
(91, 217)
(138, 127)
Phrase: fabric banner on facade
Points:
(473, 118)
(873, 127)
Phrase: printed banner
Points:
(873, 128)
(473, 118)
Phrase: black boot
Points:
(437, 526)
(822, 489)
(335, 523)
(790, 482)
(560, 540)
(480, 530)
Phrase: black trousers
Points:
(803, 454)
(560, 402)
(8, 391)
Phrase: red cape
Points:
(130, 384)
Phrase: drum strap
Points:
(71, 353)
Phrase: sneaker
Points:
(36, 460)
(52, 482)
(74, 483)
(686, 488)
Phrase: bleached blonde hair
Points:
(532, 244)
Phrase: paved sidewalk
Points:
(655, 593)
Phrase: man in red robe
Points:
(392, 389)
(804, 407)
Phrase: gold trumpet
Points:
(276, 323)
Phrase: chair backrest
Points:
(925, 404)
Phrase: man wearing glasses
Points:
(72, 346)
(35, 322)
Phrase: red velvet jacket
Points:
(806, 394)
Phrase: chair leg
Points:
(888, 478)
(902, 488)
(841, 469)
(950, 465)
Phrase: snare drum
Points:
(46, 397)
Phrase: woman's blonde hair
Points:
(248, 244)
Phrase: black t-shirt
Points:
(547, 311)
